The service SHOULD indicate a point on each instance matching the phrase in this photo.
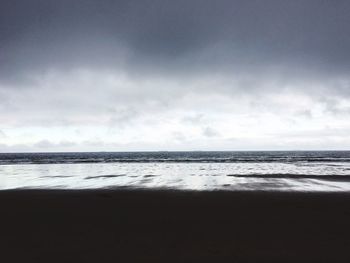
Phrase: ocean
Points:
(240, 170)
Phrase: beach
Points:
(173, 226)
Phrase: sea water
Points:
(262, 171)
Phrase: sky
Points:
(154, 75)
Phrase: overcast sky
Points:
(125, 75)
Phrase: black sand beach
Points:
(173, 226)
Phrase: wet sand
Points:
(173, 226)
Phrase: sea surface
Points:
(265, 171)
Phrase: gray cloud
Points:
(210, 132)
(193, 118)
(2, 134)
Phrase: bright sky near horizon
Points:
(174, 75)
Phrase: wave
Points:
(192, 160)
(343, 178)
(175, 157)
(105, 176)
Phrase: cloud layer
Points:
(174, 75)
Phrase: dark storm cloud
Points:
(174, 37)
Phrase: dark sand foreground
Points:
(173, 226)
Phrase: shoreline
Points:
(126, 225)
